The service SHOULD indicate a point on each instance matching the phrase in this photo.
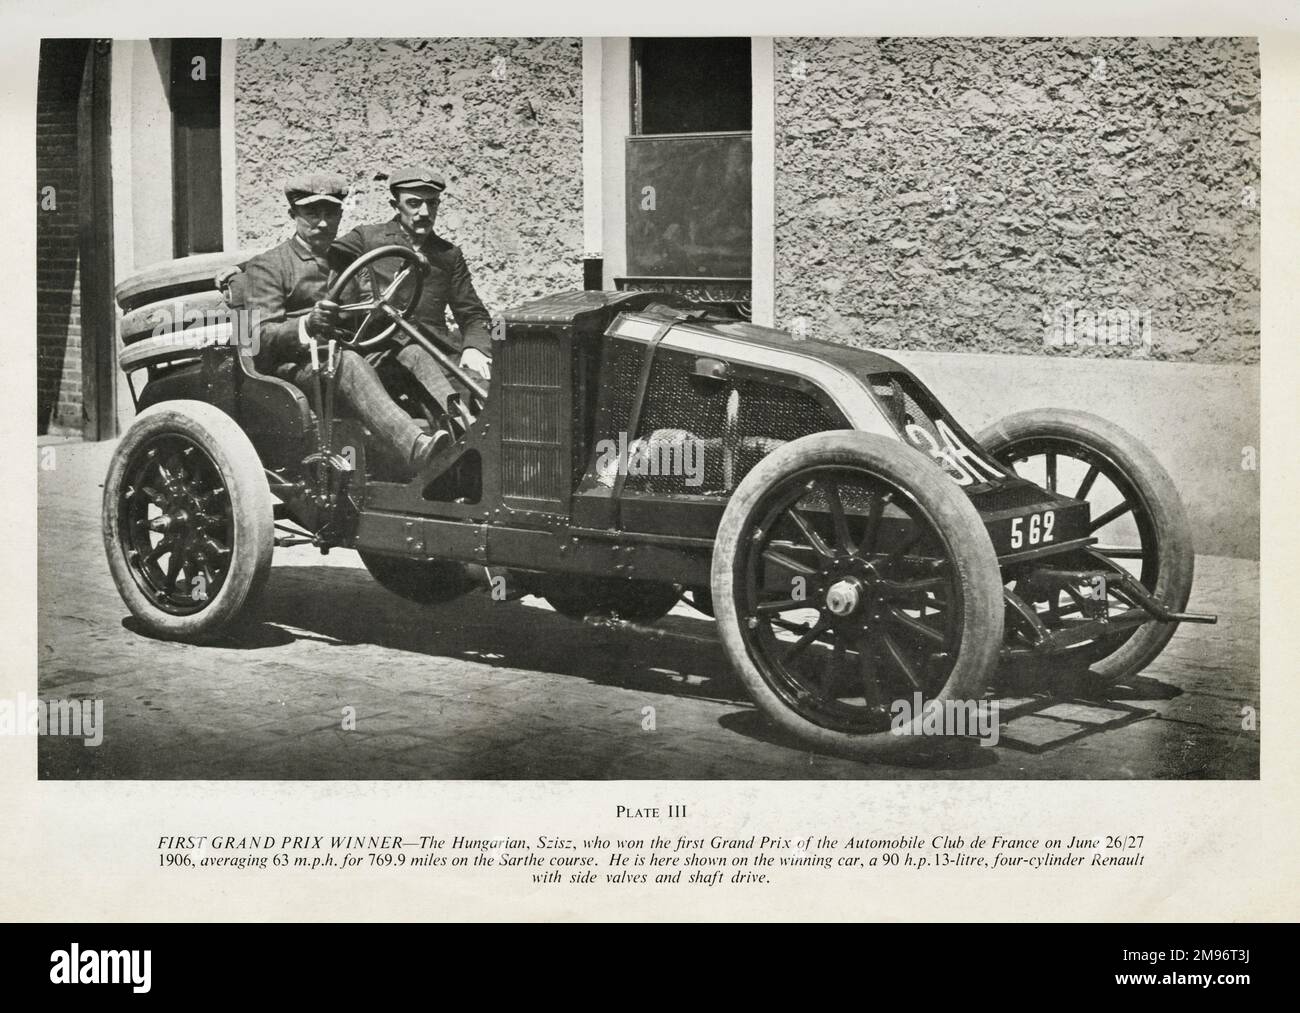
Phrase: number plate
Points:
(1039, 529)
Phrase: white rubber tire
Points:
(251, 509)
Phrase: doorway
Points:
(75, 314)
(688, 188)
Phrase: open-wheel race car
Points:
(855, 544)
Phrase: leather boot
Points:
(427, 446)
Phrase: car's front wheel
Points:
(188, 521)
(851, 580)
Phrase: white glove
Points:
(474, 361)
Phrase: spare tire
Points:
(177, 277)
(168, 316)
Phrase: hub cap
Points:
(844, 596)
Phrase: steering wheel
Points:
(384, 305)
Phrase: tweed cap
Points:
(310, 188)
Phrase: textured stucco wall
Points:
(501, 117)
(982, 194)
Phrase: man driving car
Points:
(416, 195)
(293, 277)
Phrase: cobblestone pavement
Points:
(484, 689)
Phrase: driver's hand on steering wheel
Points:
(323, 324)
(474, 361)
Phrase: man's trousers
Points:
(360, 390)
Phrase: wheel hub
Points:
(183, 569)
(844, 597)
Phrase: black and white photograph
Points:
(663, 407)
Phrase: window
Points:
(688, 161)
(690, 86)
(196, 145)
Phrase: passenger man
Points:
(293, 276)
(416, 195)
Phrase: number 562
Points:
(1035, 528)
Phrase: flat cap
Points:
(410, 177)
(315, 186)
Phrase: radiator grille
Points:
(706, 434)
(533, 413)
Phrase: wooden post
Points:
(98, 313)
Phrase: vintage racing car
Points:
(856, 545)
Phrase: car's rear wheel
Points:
(850, 577)
(1137, 515)
(423, 581)
(641, 601)
(188, 521)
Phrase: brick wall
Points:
(58, 291)
(501, 117)
(985, 194)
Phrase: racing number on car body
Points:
(957, 459)
(1035, 528)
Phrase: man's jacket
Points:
(285, 278)
(448, 286)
